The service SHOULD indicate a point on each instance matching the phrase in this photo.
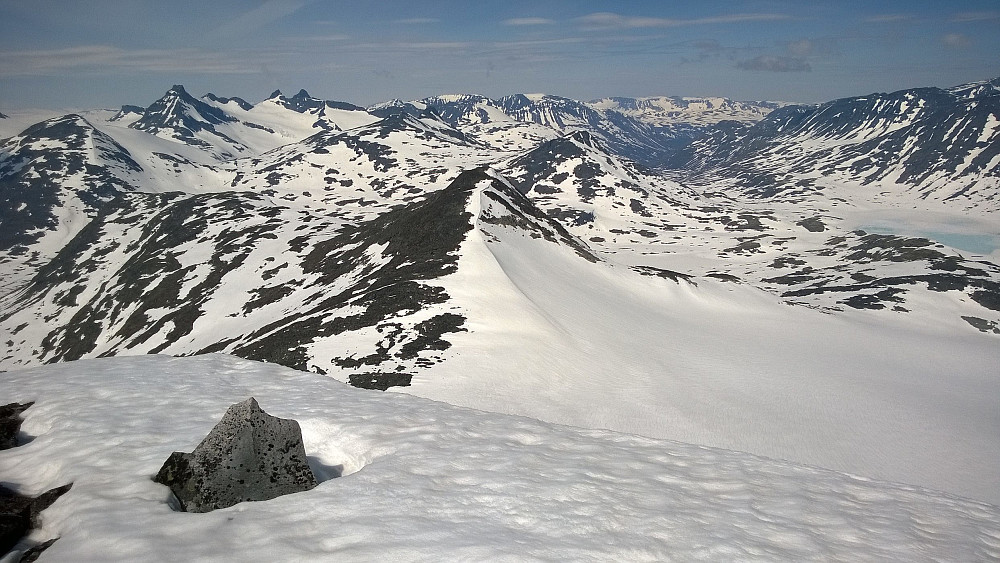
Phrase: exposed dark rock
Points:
(248, 456)
(19, 514)
(812, 224)
(10, 423)
(665, 274)
(380, 380)
(34, 552)
(983, 325)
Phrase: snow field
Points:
(425, 481)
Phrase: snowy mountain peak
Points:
(178, 108)
(181, 117)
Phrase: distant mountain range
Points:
(941, 144)
(566, 260)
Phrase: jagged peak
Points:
(275, 94)
(177, 108)
(302, 95)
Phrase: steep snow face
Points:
(907, 146)
(420, 478)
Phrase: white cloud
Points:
(966, 17)
(528, 21)
(608, 20)
(416, 21)
(956, 40)
(107, 59)
(801, 47)
(328, 38)
(268, 12)
(889, 18)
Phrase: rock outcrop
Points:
(248, 456)
(10, 423)
(19, 514)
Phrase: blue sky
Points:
(105, 53)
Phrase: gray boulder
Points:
(248, 456)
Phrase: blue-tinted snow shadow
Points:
(322, 471)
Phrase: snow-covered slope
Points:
(241, 273)
(53, 177)
(420, 480)
(366, 170)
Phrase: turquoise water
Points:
(976, 244)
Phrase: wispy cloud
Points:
(769, 63)
(528, 21)
(416, 21)
(890, 18)
(966, 17)
(956, 40)
(104, 59)
(609, 20)
(801, 47)
(268, 12)
(401, 47)
(328, 38)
